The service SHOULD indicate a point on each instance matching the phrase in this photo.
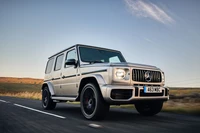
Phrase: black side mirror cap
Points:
(70, 62)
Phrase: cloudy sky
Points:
(163, 33)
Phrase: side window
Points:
(71, 55)
(59, 61)
(49, 66)
(114, 59)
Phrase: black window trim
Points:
(56, 61)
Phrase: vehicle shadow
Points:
(131, 115)
(115, 114)
(69, 110)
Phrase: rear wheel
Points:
(93, 106)
(149, 108)
(47, 102)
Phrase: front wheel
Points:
(93, 106)
(149, 108)
(47, 102)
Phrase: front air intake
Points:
(121, 93)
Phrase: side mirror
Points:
(70, 62)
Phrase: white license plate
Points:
(149, 89)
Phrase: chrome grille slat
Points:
(143, 76)
(154, 75)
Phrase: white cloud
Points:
(148, 40)
(147, 9)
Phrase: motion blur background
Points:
(161, 33)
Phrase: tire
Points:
(47, 102)
(149, 108)
(93, 106)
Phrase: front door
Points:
(69, 76)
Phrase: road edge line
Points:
(3, 101)
(62, 117)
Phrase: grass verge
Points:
(182, 107)
(29, 95)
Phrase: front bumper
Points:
(116, 94)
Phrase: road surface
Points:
(27, 116)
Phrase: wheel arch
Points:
(96, 78)
(50, 86)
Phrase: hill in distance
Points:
(20, 80)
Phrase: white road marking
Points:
(3, 101)
(40, 111)
(95, 125)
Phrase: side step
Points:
(64, 98)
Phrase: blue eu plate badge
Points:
(145, 89)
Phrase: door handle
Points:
(63, 76)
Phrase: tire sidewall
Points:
(94, 89)
(154, 108)
(48, 97)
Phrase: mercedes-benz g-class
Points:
(100, 77)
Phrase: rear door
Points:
(57, 74)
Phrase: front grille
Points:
(139, 76)
(121, 93)
(142, 94)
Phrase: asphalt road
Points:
(27, 116)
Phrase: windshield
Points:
(93, 55)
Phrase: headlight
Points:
(163, 77)
(120, 73)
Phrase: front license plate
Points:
(148, 89)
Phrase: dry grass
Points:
(21, 87)
(29, 95)
(179, 107)
(20, 80)
(183, 91)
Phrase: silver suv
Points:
(98, 78)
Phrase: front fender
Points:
(100, 80)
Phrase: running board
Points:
(64, 98)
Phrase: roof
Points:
(84, 46)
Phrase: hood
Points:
(136, 65)
(123, 64)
